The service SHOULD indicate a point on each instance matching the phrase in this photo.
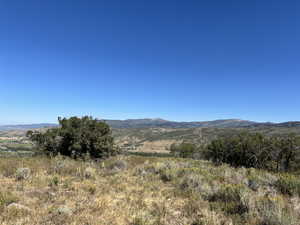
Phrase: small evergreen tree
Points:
(76, 137)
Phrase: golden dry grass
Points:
(137, 191)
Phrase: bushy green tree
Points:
(184, 149)
(288, 151)
(255, 150)
(76, 137)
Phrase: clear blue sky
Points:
(178, 60)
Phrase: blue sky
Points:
(178, 60)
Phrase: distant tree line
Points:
(278, 153)
(76, 137)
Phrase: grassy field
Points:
(143, 190)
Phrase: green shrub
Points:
(227, 193)
(184, 150)
(230, 199)
(54, 181)
(288, 184)
(118, 165)
(167, 175)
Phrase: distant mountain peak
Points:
(158, 119)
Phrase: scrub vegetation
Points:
(81, 177)
(143, 190)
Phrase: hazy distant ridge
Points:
(144, 123)
(151, 123)
(26, 126)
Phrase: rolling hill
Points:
(151, 123)
(161, 123)
(26, 126)
(146, 123)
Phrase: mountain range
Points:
(26, 126)
(161, 123)
(147, 123)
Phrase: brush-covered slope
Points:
(148, 123)
(135, 190)
(159, 139)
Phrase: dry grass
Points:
(139, 191)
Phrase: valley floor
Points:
(138, 190)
